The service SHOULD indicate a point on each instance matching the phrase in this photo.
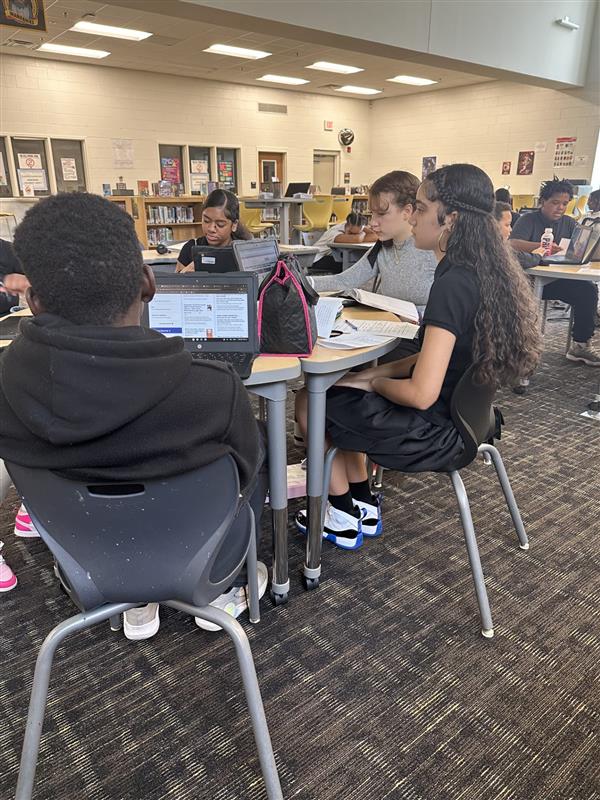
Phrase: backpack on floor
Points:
(287, 323)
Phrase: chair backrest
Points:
(342, 206)
(250, 217)
(580, 206)
(571, 207)
(180, 538)
(472, 412)
(318, 210)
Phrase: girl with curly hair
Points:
(480, 312)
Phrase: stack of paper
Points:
(397, 330)
(327, 310)
(354, 340)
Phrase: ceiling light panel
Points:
(236, 52)
(411, 80)
(65, 50)
(83, 26)
(329, 66)
(358, 90)
(283, 79)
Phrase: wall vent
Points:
(272, 108)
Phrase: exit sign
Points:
(328, 125)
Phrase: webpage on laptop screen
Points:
(219, 314)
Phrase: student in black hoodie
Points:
(86, 391)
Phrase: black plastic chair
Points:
(180, 541)
(473, 414)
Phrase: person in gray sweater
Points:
(393, 266)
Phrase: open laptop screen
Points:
(256, 255)
(201, 311)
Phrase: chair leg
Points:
(378, 479)
(39, 690)
(252, 570)
(251, 690)
(487, 626)
(544, 312)
(494, 454)
(570, 331)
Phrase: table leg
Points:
(316, 387)
(276, 395)
(345, 259)
(284, 223)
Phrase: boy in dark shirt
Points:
(86, 391)
(582, 296)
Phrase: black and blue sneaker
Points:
(371, 522)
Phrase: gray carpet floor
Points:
(377, 685)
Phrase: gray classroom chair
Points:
(474, 416)
(108, 540)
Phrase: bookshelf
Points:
(160, 219)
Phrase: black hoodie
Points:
(106, 403)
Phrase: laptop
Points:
(257, 256)
(581, 249)
(214, 259)
(215, 314)
(297, 188)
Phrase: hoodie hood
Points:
(68, 384)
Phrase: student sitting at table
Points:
(88, 392)
(593, 204)
(393, 266)
(353, 231)
(12, 280)
(480, 311)
(220, 226)
(502, 195)
(582, 296)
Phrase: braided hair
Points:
(506, 342)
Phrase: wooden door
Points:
(270, 166)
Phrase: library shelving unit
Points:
(160, 219)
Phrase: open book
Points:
(402, 308)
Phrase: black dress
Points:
(400, 437)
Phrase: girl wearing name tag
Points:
(220, 226)
(480, 311)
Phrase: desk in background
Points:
(284, 204)
(350, 251)
(321, 370)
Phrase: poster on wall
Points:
(69, 169)
(170, 170)
(198, 166)
(506, 165)
(428, 165)
(564, 151)
(225, 171)
(3, 178)
(30, 161)
(525, 162)
(27, 14)
(122, 152)
(34, 178)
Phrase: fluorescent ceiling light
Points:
(411, 80)
(238, 52)
(110, 30)
(328, 66)
(358, 90)
(283, 79)
(63, 49)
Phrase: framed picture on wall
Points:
(525, 162)
(27, 14)
(506, 165)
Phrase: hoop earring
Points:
(439, 242)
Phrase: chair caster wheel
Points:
(310, 583)
(487, 633)
(279, 599)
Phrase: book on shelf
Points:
(156, 214)
(158, 235)
(143, 188)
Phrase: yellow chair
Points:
(251, 219)
(317, 213)
(571, 207)
(342, 206)
(580, 206)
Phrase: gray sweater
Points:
(403, 271)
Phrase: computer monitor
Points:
(214, 259)
(297, 188)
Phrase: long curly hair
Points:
(507, 342)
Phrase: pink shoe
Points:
(8, 579)
(24, 527)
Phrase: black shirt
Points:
(452, 305)
(530, 227)
(185, 255)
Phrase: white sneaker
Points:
(142, 622)
(371, 522)
(235, 601)
(581, 351)
(342, 529)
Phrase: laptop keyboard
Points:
(241, 362)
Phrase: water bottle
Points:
(546, 241)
